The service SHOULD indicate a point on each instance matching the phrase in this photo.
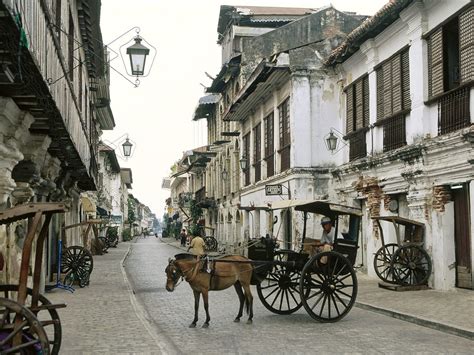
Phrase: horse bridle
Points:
(175, 275)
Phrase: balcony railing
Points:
(394, 133)
(357, 145)
(453, 111)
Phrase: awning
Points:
(87, 204)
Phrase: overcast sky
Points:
(157, 115)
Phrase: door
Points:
(462, 238)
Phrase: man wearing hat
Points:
(327, 238)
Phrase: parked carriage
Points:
(404, 262)
(30, 323)
(325, 283)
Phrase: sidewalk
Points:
(104, 317)
(448, 311)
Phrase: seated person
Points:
(327, 238)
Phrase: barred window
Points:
(357, 116)
(246, 154)
(393, 99)
(285, 143)
(269, 144)
(257, 151)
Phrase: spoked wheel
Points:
(328, 286)
(411, 265)
(48, 318)
(20, 331)
(383, 262)
(211, 243)
(77, 262)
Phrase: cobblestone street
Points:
(361, 331)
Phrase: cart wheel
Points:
(211, 243)
(328, 286)
(383, 262)
(33, 337)
(279, 291)
(411, 265)
(79, 262)
(49, 318)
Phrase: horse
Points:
(237, 272)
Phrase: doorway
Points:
(462, 237)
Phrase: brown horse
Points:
(237, 271)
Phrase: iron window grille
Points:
(285, 144)
(269, 145)
(257, 152)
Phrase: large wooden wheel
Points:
(20, 331)
(328, 286)
(383, 262)
(77, 263)
(210, 243)
(46, 314)
(279, 291)
(411, 265)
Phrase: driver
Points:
(327, 238)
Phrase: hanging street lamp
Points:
(127, 148)
(243, 162)
(331, 142)
(138, 53)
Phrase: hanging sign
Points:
(271, 190)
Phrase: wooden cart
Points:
(30, 323)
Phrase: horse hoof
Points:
(236, 320)
(205, 325)
(249, 321)
(192, 325)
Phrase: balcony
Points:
(453, 110)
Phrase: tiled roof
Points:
(209, 99)
(370, 28)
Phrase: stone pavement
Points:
(104, 318)
(448, 311)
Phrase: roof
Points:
(229, 70)
(399, 220)
(126, 175)
(205, 106)
(258, 16)
(370, 28)
(325, 208)
(110, 152)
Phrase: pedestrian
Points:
(183, 237)
(197, 244)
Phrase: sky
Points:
(157, 115)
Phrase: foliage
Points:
(131, 210)
(112, 232)
(126, 235)
(196, 213)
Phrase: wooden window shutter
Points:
(396, 84)
(435, 63)
(387, 88)
(359, 105)
(349, 109)
(366, 101)
(380, 96)
(406, 100)
(466, 44)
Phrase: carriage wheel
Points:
(34, 339)
(79, 262)
(383, 262)
(211, 243)
(411, 265)
(328, 286)
(49, 320)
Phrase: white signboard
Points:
(271, 190)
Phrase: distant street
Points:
(360, 332)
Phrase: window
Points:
(246, 154)
(357, 117)
(257, 152)
(71, 48)
(393, 99)
(451, 70)
(269, 145)
(284, 115)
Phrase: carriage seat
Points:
(346, 247)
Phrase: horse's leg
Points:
(240, 293)
(196, 309)
(249, 302)
(205, 298)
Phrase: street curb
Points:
(141, 313)
(464, 333)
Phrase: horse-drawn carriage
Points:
(30, 324)
(325, 283)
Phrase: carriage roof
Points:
(322, 207)
(399, 220)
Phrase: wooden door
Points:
(462, 238)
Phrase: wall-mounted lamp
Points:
(243, 162)
(127, 148)
(138, 53)
(224, 175)
(334, 141)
